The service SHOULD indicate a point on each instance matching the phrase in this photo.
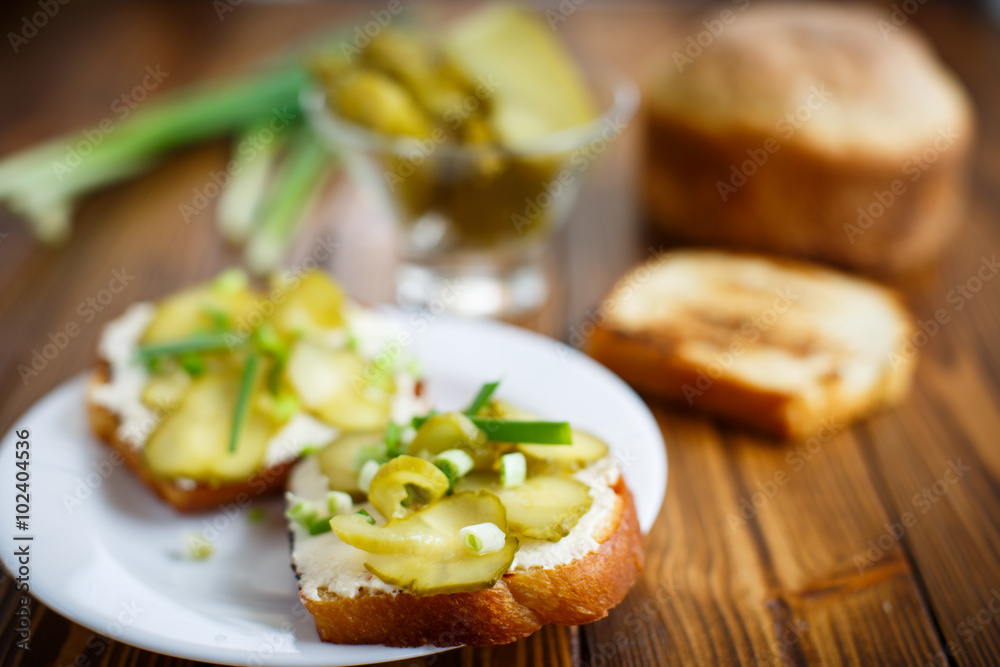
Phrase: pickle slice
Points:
(436, 562)
(313, 304)
(199, 309)
(165, 390)
(331, 384)
(340, 462)
(404, 485)
(545, 507)
(194, 441)
(453, 430)
(399, 537)
(585, 449)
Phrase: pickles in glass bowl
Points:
(476, 139)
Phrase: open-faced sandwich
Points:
(469, 527)
(211, 394)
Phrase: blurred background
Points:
(147, 235)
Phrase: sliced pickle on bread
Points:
(331, 383)
(206, 307)
(543, 507)
(585, 450)
(406, 484)
(342, 458)
(423, 553)
(202, 389)
(194, 441)
(166, 390)
(315, 303)
(453, 430)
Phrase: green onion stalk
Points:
(42, 184)
(298, 181)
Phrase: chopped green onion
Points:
(485, 392)
(43, 181)
(368, 517)
(231, 281)
(199, 342)
(302, 511)
(243, 399)
(194, 364)
(309, 450)
(482, 538)
(513, 470)
(366, 474)
(296, 185)
(338, 502)
(504, 430)
(320, 526)
(392, 440)
(256, 515)
(197, 546)
(284, 407)
(370, 453)
(268, 341)
(536, 433)
(454, 463)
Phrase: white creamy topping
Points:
(301, 431)
(372, 332)
(122, 394)
(323, 561)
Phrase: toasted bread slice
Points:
(782, 346)
(577, 590)
(184, 497)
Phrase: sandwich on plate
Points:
(211, 394)
(475, 526)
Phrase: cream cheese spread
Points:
(325, 562)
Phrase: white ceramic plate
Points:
(107, 554)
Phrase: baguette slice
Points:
(569, 593)
(192, 497)
(788, 348)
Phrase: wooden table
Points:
(814, 570)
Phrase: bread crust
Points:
(801, 202)
(648, 358)
(519, 604)
(860, 172)
(202, 497)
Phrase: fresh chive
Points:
(199, 342)
(513, 470)
(392, 441)
(368, 517)
(193, 363)
(319, 526)
(302, 511)
(220, 320)
(503, 430)
(243, 398)
(485, 392)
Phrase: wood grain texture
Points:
(763, 554)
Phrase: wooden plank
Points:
(774, 584)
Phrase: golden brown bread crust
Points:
(518, 605)
(724, 166)
(653, 355)
(800, 202)
(200, 498)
